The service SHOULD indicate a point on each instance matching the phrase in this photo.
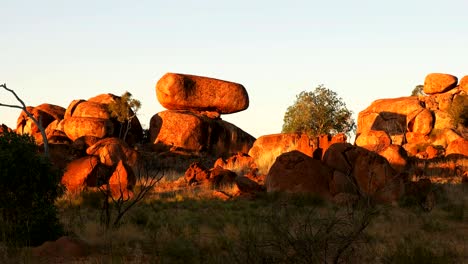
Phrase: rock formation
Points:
(415, 122)
(431, 127)
(193, 122)
(189, 92)
(281, 143)
(296, 172)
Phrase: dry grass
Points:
(265, 161)
(189, 225)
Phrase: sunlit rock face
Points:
(189, 92)
(188, 131)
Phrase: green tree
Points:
(29, 186)
(318, 112)
(124, 109)
(418, 90)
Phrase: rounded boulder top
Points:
(189, 92)
(439, 83)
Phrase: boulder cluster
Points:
(193, 119)
(84, 142)
(419, 126)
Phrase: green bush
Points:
(29, 186)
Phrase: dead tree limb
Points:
(37, 122)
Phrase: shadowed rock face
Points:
(371, 172)
(188, 131)
(44, 113)
(189, 92)
(296, 172)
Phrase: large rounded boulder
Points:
(188, 131)
(44, 113)
(439, 83)
(373, 174)
(296, 172)
(189, 92)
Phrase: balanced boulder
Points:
(189, 92)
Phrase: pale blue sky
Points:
(57, 51)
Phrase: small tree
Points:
(318, 112)
(124, 109)
(418, 90)
(38, 123)
(29, 186)
(118, 200)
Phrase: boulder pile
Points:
(192, 122)
(423, 125)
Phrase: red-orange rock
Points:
(247, 185)
(189, 92)
(296, 172)
(90, 109)
(373, 140)
(463, 85)
(416, 138)
(76, 127)
(458, 146)
(432, 152)
(95, 108)
(44, 113)
(191, 132)
(221, 177)
(373, 174)
(122, 181)
(281, 143)
(422, 123)
(77, 172)
(113, 150)
(396, 156)
(241, 163)
(389, 115)
(196, 172)
(439, 83)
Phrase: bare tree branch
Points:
(37, 122)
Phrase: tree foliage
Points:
(459, 110)
(318, 112)
(418, 90)
(29, 186)
(124, 109)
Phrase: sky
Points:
(58, 51)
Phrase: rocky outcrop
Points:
(439, 83)
(414, 123)
(91, 118)
(189, 92)
(193, 122)
(296, 172)
(371, 173)
(44, 113)
(281, 143)
(192, 132)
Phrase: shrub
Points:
(29, 186)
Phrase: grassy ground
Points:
(190, 226)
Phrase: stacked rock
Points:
(420, 126)
(192, 122)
